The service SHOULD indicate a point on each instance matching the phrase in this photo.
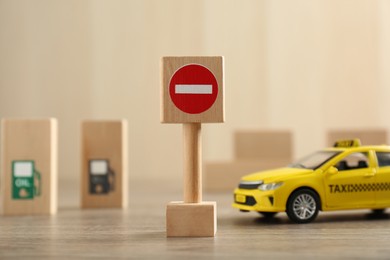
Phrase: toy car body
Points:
(347, 176)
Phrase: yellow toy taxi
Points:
(346, 176)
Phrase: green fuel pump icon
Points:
(26, 180)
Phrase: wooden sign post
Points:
(192, 93)
(28, 166)
(104, 177)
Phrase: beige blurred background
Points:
(305, 65)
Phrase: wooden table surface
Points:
(139, 232)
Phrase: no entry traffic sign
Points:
(192, 93)
(192, 90)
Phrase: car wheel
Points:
(303, 206)
(267, 214)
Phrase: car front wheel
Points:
(303, 206)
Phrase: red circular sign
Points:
(193, 89)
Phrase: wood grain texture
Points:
(169, 112)
(263, 144)
(192, 162)
(139, 232)
(366, 136)
(105, 140)
(29, 140)
(191, 219)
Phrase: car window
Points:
(353, 161)
(314, 160)
(383, 159)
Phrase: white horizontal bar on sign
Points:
(193, 89)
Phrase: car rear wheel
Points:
(303, 206)
(267, 214)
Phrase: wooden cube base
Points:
(191, 219)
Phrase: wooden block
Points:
(29, 166)
(263, 145)
(225, 176)
(192, 90)
(191, 219)
(104, 181)
(366, 136)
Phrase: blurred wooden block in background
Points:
(263, 145)
(366, 136)
(104, 180)
(29, 166)
(225, 176)
(255, 150)
(191, 219)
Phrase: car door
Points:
(383, 179)
(352, 185)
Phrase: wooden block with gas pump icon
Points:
(28, 166)
(104, 180)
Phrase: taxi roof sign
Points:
(347, 143)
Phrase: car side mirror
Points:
(333, 170)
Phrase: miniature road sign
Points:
(29, 166)
(192, 93)
(104, 179)
(192, 90)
